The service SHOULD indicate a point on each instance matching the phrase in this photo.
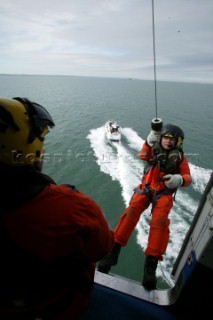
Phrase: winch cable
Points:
(156, 123)
(154, 57)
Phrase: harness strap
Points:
(146, 191)
(152, 194)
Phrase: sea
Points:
(77, 151)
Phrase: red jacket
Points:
(63, 230)
(152, 177)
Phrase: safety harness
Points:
(167, 162)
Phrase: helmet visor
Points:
(168, 134)
(39, 116)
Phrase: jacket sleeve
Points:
(145, 153)
(96, 234)
(184, 171)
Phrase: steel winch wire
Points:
(154, 57)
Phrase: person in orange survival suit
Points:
(166, 169)
(51, 236)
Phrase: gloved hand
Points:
(173, 181)
(152, 138)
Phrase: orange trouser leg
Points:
(130, 217)
(159, 227)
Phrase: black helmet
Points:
(171, 130)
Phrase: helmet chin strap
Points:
(39, 165)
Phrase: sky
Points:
(108, 38)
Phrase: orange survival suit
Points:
(50, 239)
(153, 190)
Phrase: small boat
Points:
(112, 131)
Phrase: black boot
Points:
(111, 259)
(149, 277)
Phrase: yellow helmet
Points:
(23, 126)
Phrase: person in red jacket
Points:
(51, 236)
(166, 169)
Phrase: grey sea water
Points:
(77, 152)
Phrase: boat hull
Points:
(112, 131)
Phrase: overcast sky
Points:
(108, 38)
